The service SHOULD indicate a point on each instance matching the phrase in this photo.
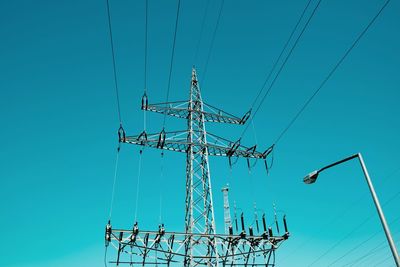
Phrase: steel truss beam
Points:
(177, 141)
(181, 109)
(168, 248)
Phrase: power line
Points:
(341, 240)
(172, 57)
(213, 40)
(113, 60)
(353, 231)
(118, 104)
(138, 184)
(145, 61)
(280, 54)
(283, 64)
(145, 47)
(360, 244)
(114, 182)
(201, 32)
(331, 72)
(161, 187)
(384, 260)
(372, 251)
(342, 213)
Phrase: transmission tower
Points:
(199, 244)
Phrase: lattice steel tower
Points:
(199, 244)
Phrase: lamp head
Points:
(311, 177)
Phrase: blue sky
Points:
(59, 122)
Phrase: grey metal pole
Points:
(380, 212)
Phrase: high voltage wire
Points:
(119, 117)
(113, 61)
(284, 63)
(331, 73)
(386, 259)
(201, 32)
(172, 57)
(353, 231)
(138, 184)
(118, 105)
(360, 244)
(113, 186)
(145, 61)
(145, 47)
(280, 54)
(213, 40)
(168, 89)
(337, 217)
(342, 239)
(372, 251)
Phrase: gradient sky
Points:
(59, 122)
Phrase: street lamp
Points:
(312, 177)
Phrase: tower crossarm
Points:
(178, 141)
(167, 248)
(181, 109)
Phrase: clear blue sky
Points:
(59, 121)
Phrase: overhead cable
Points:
(342, 213)
(360, 244)
(280, 55)
(213, 40)
(384, 260)
(114, 182)
(341, 240)
(331, 72)
(283, 64)
(138, 184)
(145, 46)
(172, 58)
(145, 63)
(113, 61)
(354, 230)
(161, 185)
(201, 32)
(365, 241)
(372, 251)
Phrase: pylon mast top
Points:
(178, 141)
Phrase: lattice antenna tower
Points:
(227, 211)
(199, 244)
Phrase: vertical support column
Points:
(199, 206)
(189, 185)
(227, 211)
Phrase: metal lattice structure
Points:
(199, 245)
(227, 211)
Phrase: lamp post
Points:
(312, 177)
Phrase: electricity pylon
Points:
(199, 245)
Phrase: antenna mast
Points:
(227, 211)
